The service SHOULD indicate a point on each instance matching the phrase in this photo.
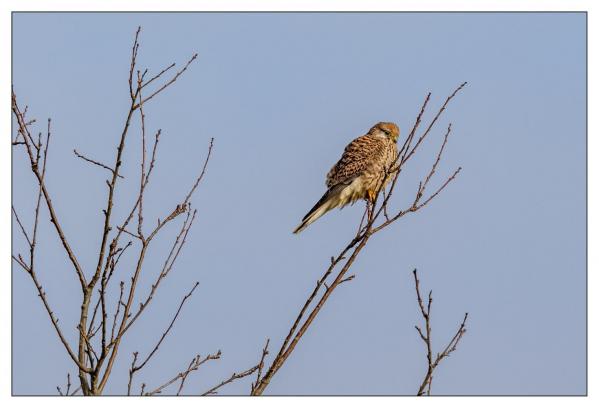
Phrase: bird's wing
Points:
(357, 157)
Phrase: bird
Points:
(359, 173)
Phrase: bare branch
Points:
(166, 85)
(130, 233)
(89, 350)
(449, 180)
(201, 176)
(153, 159)
(132, 372)
(118, 309)
(349, 278)
(155, 77)
(168, 264)
(193, 366)
(68, 388)
(29, 145)
(434, 167)
(34, 161)
(97, 163)
(430, 126)
(234, 377)
(433, 362)
(134, 50)
(142, 117)
(125, 322)
(39, 195)
(293, 337)
(42, 294)
(21, 225)
(260, 366)
(170, 326)
(21, 262)
(179, 209)
(105, 280)
(406, 146)
(184, 377)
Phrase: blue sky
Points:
(282, 94)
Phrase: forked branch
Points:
(432, 360)
(375, 219)
(100, 336)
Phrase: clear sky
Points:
(282, 94)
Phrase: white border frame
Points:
(6, 8)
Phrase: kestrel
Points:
(360, 171)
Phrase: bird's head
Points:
(386, 129)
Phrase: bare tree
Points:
(376, 217)
(102, 327)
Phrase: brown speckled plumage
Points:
(366, 156)
(358, 174)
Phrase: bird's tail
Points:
(330, 200)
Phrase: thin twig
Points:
(168, 264)
(132, 372)
(20, 225)
(430, 126)
(261, 365)
(449, 180)
(433, 362)
(155, 77)
(194, 365)
(167, 84)
(68, 387)
(97, 163)
(142, 117)
(134, 50)
(170, 326)
(118, 309)
(184, 377)
(201, 176)
(234, 377)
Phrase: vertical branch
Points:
(107, 228)
(260, 366)
(134, 50)
(39, 192)
(68, 387)
(142, 177)
(433, 362)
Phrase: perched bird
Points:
(360, 171)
